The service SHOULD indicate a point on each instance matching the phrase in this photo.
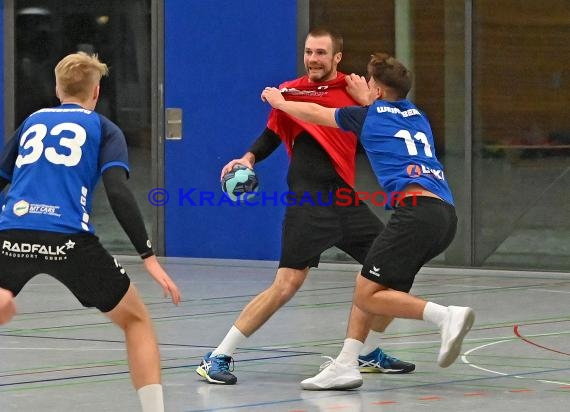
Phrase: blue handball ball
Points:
(241, 182)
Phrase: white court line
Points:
(536, 335)
(385, 343)
(493, 287)
(549, 290)
(410, 342)
(466, 361)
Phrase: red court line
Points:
(430, 398)
(516, 330)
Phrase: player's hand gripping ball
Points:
(241, 183)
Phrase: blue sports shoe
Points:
(379, 362)
(216, 369)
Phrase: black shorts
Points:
(309, 229)
(78, 261)
(413, 236)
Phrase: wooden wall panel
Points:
(521, 70)
(366, 26)
(429, 71)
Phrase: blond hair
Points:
(76, 74)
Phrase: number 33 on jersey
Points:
(71, 142)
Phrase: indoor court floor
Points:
(57, 356)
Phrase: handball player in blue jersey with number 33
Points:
(52, 163)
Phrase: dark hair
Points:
(390, 72)
(337, 41)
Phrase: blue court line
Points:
(196, 300)
(126, 372)
(344, 393)
(234, 311)
(62, 379)
(182, 345)
(304, 291)
(513, 273)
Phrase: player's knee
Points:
(132, 318)
(286, 289)
(7, 313)
(130, 311)
(7, 306)
(288, 282)
(362, 296)
(361, 301)
(286, 292)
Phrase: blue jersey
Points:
(53, 161)
(398, 140)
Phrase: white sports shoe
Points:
(457, 323)
(334, 376)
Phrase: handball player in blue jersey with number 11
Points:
(398, 140)
(52, 163)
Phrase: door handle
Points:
(173, 123)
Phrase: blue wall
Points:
(219, 54)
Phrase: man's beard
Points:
(319, 78)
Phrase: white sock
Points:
(151, 398)
(371, 342)
(230, 342)
(435, 313)
(350, 351)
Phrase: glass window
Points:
(429, 38)
(119, 32)
(521, 133)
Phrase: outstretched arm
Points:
(308, 112)
(156, 271)
(128, 214)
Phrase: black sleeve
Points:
(351, 118)
(126, 209)
(9, 155)
(3, 183)
(265, 145)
